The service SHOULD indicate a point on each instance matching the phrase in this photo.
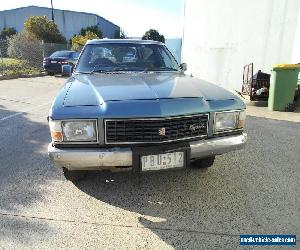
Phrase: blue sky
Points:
(134, 16)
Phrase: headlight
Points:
(229, 120)
(82, 131)
(74, 131)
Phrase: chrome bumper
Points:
(121, 158)
(217, 146)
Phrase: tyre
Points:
(75, 175)
(50, 73)
(204, 163)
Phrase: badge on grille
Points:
(195, 127)
(162, 131)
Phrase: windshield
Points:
(61, 54)
(108, 57)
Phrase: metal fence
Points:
(3, 48)
(19, 57)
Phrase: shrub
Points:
(11, 66)
(23, 46)
(78, 41)
(94, 29)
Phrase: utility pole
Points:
(52, 11)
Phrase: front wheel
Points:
(204, 163)
(75, 175)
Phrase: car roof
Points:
(136, 41)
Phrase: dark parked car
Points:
(129, 106)
(53, 64)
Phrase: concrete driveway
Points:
(252, 191)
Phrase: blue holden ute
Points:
(128, 105)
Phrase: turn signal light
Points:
(241, 124)
(242, 119)
(56, 136)
(55, 130)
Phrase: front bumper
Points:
(118, 158)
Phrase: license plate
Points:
(162, 161)
(53, 61)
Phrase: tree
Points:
(94, 29)
(7, 32)
(78, 41)
(41, 28)
(153, 35)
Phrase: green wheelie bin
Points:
(283, 85)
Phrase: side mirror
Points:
(183, 66)
(67, 70)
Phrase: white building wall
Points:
(296, 50)
(221, 36)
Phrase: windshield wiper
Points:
(100, 71)
(159, 69)
(115, 70)
(82, 72)
(126, 69)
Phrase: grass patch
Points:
(10, 66)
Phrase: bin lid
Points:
(286, 66)
(261, 76)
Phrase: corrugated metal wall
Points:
(69, 22)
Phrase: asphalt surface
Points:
(252, 191)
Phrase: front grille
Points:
(155, 130)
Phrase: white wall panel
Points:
(221, 36)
